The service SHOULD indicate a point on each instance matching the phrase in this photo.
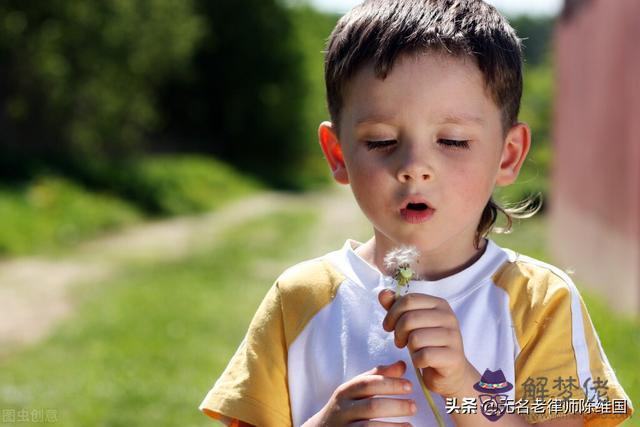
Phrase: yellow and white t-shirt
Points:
(320, 325)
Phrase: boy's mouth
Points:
(416, 212)
(417, 206)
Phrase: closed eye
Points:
(454, 143)
(376, 145)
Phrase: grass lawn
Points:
(143, 350)
(51, 213)
(54, 213)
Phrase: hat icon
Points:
(493, 382)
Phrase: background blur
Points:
(158, 169)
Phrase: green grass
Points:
(144, 349)
(183, 184)
(52, 212)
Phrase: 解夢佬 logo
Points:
(493, 400)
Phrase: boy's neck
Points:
(433, 265)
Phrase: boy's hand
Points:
(429, 328)
(352, 403)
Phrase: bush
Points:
(312, 28)
(536, 110)
(176, 185)
(79, 79)
(52, 211)
(243, 96)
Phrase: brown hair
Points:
(381, 30)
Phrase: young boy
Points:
(423, 97)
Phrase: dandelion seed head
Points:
(404, 256)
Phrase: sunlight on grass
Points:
(144, 349)
(53, 212)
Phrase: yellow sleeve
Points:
(561, 362)
(253, 387)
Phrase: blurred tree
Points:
(312, 31)
(243, 96)
(77, 79)
(85, 85)
(536, 32)
(536, 108)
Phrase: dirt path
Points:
(34, 291)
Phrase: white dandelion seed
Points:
(405, 257)
(401, 264)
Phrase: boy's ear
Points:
(514, 152)
(333, 152)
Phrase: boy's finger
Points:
(373, 385)
(386, 298)
(427, 336)
(381, 407)
(409, 302)
(396, 369)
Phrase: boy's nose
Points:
(414, 168)
(413, 176)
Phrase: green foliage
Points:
(177, 185)
(536, 110)
(536, 32)
(52, 211)
(244, 94)
(79, 78)
(87, 87)
(312, 29)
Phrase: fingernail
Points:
(407, 387)
(413, 406)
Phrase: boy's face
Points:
(428, 133)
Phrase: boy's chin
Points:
(413, 239)
(423, 243)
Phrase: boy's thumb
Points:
(386, 298)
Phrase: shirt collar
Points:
(367, 275)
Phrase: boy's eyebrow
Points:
(374, 118)
(455, 118)
(462, 119)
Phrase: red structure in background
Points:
(595, 200)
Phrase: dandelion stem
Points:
(401, 261)
(425, 390)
